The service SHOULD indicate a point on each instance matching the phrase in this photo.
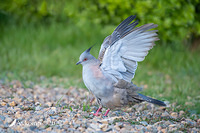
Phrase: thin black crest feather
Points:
(88, 50)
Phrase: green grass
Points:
(47, 55)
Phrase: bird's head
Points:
(85, 57)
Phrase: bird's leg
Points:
(97, 113)
(107, 112)
(92, 100)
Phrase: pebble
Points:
(12, 104)
(8, 120)
(104, 121)
(1, 124)
(103, 126)
(3, 103)
(49, 129)
(198, 121)
(49, 104)
(1, 130)
(37, 108)
(124, 130)
(165, 114)
(144, 123)
(181, 113)
(34, 110)
(2, 117)
(174, 115)
(95, 126)
(159, 128)
(32, 128)
(164, 130)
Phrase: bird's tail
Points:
(151, 100)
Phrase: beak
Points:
(79, 62)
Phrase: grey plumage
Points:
(109, 77)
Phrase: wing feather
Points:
(122, 29)
(126, 46)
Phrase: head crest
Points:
(88, 50)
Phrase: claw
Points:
(96, 114)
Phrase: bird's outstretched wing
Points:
(126, 46)
(122, 29)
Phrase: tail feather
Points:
(151, 100)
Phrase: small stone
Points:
(172, 125)
(3, 103)
(144, 123)
(119, 124)
(102, 126)
(1, 130)
(78, 122)
(165, 114)
(12, 104)
(13, 123)
(189, 103)
(8, 120)
(81, 129)
(32, 128)
(6, 125)
(18, 115)
(48, 129)
(149, 127)
(1, 124)
(76, 125)
(181, 112)
(108, 130)
(94, 126)
(49, 104)
(117, 127)
(174, 115)
(65, 126)
(138, 119)
(172, 129)
(162, 107)
(2, 117)
(128, 127)
(37, 103)
(9, 130)
(16, 84)
(139, 126)
(159, 128)
(198, 122)
(53, 108)
(124, 130)
(37, 108)
(66, 122)
(104, 121)
(190, 122)
(164, 130)
(90, 130)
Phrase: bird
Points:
(109, 77)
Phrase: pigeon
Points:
(109, 78)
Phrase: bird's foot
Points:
(97, 113)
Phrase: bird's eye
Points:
(85, 59)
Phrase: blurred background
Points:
(44, 38)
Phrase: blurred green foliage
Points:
(178, 20)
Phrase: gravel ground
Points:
(52, 109)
